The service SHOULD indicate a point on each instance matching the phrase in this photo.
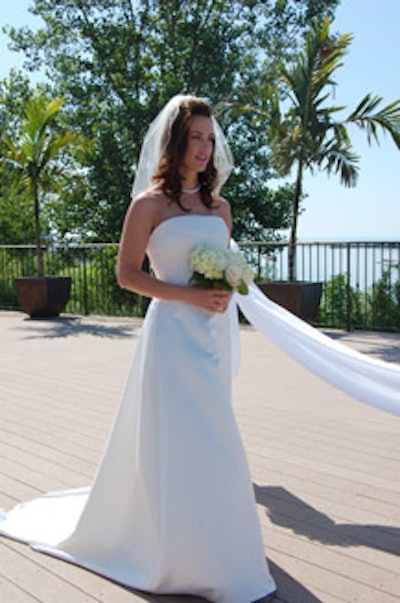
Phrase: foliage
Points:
(95, 289)
(259, 211)
(337, 299)
(379, 308)
(16, 212)
(116, 62)
(385, 301)
(39, 155)
(15, 91)
(305, 131)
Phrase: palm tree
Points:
(307, 136)
(36, 154)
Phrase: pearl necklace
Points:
(191, 191)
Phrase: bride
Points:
(171, 509)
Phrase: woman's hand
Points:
(212, 300)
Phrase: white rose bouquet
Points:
(213, 267)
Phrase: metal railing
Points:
(92, 268)
(361, 280)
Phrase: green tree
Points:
(39, 156)
(16, 214)
(385, 301)
(259, 212)
(116, 62)
(305, 132)
(341, 304)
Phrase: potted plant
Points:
(35, 158)
(306, 135)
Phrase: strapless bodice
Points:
(173, 240)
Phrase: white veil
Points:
(156, 140)
(367, 379)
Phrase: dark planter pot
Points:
(300, 298)
(43, 297)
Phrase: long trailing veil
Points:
(372, 381)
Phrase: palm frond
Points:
(338, 158)
(368, 117)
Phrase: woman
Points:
(172, 508)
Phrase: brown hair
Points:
(167, 174)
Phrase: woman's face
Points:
(200, 145)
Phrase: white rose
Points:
(233, 274)
(248, 275)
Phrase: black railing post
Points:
(85, 287)
(348, 289)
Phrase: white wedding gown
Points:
(172, 508)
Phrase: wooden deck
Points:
(326, 468)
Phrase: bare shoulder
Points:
(140, 216)
(224, 204)
(147, 201)
(145, 206)
(224, 210)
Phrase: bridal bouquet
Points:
(213, 267)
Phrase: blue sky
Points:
(371, 210)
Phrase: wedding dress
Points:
(172, 508)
